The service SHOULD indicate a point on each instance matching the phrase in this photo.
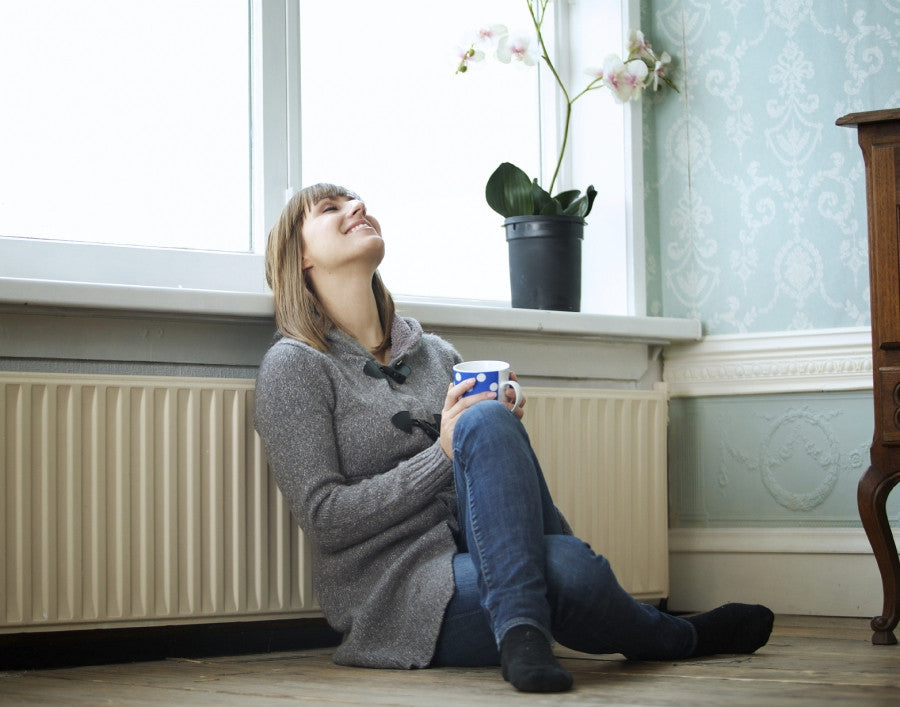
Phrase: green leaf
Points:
(551, 208)
(565, 198)
(577, 207)
(509, 192)
(543, 202)
(591, 193)
(582, 205)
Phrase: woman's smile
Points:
(359, 225)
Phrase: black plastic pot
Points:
(545, 261)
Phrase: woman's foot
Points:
(528, 663)
(732, 628)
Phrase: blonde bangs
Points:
(310, 196)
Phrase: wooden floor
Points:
(807, 661)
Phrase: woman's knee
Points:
(489, 418)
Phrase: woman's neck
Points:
(352, 307)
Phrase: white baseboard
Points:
(812, 571)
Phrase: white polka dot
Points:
(481, 378)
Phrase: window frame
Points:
(275, 174)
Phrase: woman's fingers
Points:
(455, 404)
(456, 396)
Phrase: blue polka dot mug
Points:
(489, 376)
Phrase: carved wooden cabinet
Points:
(879, 138)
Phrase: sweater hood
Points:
(405, 336)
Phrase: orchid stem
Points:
(562, 149)
(545, 55)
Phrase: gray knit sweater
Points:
(376, 503)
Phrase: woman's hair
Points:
(298, 312)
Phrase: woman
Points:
(435, 541)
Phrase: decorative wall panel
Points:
(769, 461)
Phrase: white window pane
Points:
(598, 157)
(126, 122)
(384, 114)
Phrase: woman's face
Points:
(338, 234)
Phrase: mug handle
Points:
(518, 390)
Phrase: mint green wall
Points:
(756, 222)
(755, 199)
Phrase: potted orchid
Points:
(533, 214)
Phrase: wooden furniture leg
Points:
(872, 493)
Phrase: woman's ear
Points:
(305, 262)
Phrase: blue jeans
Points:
(515, 565)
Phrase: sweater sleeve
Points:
(295, 416)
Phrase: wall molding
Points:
(782, 362)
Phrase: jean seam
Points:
(473, 523)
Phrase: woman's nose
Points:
(356, 207)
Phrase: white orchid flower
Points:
(625, 80)
(637, 44)
(516, 48)
(491, 35)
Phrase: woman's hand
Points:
(454, 406)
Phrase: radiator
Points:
(604, 455)
(139, 501)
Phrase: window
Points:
(384, 113)
(175, 130)
(129, 122)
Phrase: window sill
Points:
(143, 326)
(53, 294)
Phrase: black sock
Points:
(732, 628)
(529, 664)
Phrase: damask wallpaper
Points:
(756, 217)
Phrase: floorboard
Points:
(808, 661)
